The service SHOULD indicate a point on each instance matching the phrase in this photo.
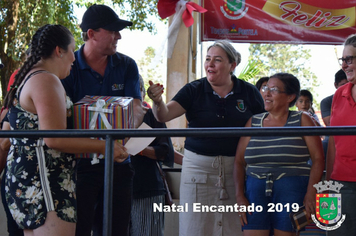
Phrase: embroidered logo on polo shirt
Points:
(117, 87)
(241, 105)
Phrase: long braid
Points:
(27, 66)
(44, 41)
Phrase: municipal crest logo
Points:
(328, 205)
(241, 105)
(234, 9)
(117, 87)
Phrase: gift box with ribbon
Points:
(102, 112)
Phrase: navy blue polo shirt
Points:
(205, 109)
(121, 78)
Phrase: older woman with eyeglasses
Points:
(217, 100)
(341, 157)
(273, 170)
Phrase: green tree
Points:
(19, 19)
(140, 12)
(294, 59)
(251, 71)
(150, 70)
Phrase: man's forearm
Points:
(138, 113)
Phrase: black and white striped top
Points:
(277, 156)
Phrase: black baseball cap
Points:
(101, 16)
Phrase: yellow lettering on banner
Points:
(310, 17)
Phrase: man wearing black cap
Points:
(100, 70)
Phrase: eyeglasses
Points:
(220, 108)
(347, 60)
(273, 90)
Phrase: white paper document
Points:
(137, 144)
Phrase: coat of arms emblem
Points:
(240, 105)
(328, 205)
(234, 9)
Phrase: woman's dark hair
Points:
(42, 45)
(261, 81)
(291, 85)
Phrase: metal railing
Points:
(111, 135)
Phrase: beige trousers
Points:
(207, 185)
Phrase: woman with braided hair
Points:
(40, 183)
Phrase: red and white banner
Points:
(279, 21)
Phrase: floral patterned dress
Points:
(39, 179)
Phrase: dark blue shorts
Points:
(285, 192)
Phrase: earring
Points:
(61, 55)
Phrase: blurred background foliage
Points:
(19, 19)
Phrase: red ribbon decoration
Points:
(167, 8)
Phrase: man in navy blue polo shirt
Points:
(100, 70)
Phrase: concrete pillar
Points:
(181, 70)
(177, 77)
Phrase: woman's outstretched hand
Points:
(155, 92)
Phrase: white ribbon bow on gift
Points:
(99, 110)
